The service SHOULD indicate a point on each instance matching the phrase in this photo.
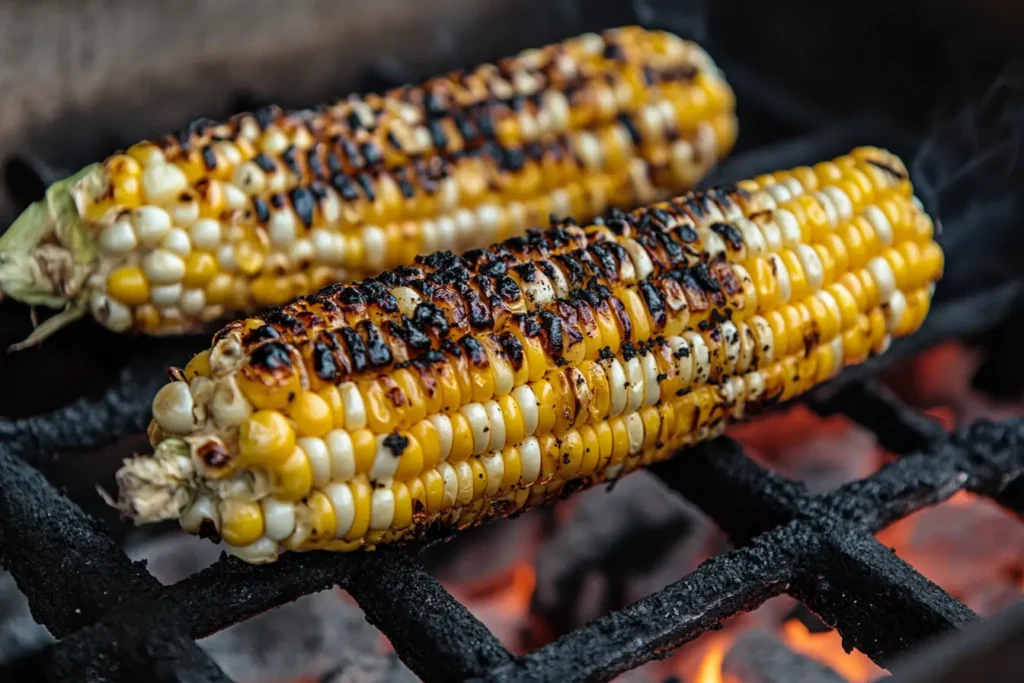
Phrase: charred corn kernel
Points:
(476, 382)
(275, 197)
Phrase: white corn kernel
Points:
(496, 423)
(701, 357)
(161, 267)
(878, 220)
(375, 247)
(203, 509)
(263, 551)
(165, 295)
(250, 178)
(319, 458)
(173, 409)
(118, 238)
(444, 433)
(385, 462)
(814, 271)
(635, 378)
(885, 279)
(355, 411)
(529, 456)
(618, 386)
(732, 343)
(789, 227)
(638, 255)
(382, 509)
(782, 277)
(339, 447)
(205, 233)
(479, 425)
(652, 390)
(494, 467)
(278, 518)
(177, 242)
(282, 228)
(527, 402)
(635, 432)
(162, 182)
(344, 506)
(451, 484)
(151, 223)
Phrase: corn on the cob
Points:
(228, 217)
(463, 388)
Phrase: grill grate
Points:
(114, 622)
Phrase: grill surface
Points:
(114, 622)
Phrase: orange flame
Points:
(827, 648)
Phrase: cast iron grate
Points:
(115, 622)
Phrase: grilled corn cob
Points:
(228, 217)
(463, 388)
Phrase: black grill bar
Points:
(651, 628)
(72, 573)
(879, 604)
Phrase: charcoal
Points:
(760, 657)
(620, 544)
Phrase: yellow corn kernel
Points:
(293, 477)
(266, 439)
(128, 285)
(311, 414)
(199, 366)
(241, 522)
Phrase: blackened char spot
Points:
(625, 324)
(213, 454)
(366, 183)
(377, 349)
(261, 334)
(289, 158)
(356, 349)
(261, 209)
(396, 443)
(887, 168)
(265, 163)
(474, 351)
(209, 159)
(283, 320)
(655, 302)
(302, 200)
(730, 233)
(704, 279)
(324, 364)
(634, 134)
(513, 349)
(345, 187)
(428, 315)
(272, 356)
(552, 326)
(265, 116)
(479, 313)
(313, 162)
